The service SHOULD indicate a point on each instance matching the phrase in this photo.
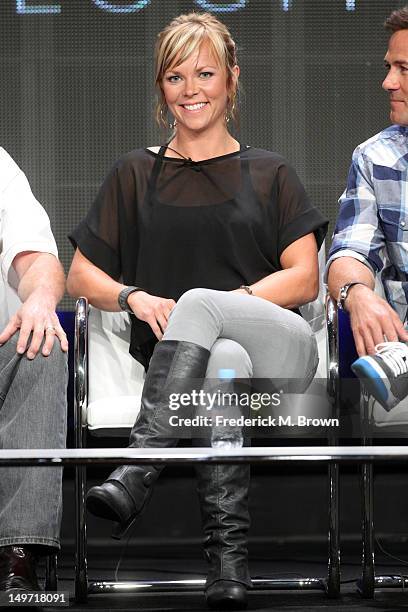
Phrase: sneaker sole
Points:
(375, 381)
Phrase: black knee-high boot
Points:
(223, 493)
(175, 367)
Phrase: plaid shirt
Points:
(372, 225)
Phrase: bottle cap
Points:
(228, 373)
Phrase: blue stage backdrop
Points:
(76, 88)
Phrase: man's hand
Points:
(35, 318)
(40, 287)
(372, 320)
(152, 309)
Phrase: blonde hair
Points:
(182, 37)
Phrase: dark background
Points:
(76, 89)
(76, 93)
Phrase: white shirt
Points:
(24, 226)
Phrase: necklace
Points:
(188, 159)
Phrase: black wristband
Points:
(124, 296)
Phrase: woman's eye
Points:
(206, 74)
(173, 78)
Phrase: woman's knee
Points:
(194, 298)
(228, 354)
(194, 316)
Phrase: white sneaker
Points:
(385, 374)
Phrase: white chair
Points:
(108, 386)
(115, 379)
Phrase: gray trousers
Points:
(32, 415)
(254, 337)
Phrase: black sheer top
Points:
(169, 225)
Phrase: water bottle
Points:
(226, 435)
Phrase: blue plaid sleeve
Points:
(357, 227)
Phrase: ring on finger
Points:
(50, 328)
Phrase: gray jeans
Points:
(32, 415)
(254, 337)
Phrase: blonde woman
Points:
(210, 245)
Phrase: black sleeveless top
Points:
(169, 225)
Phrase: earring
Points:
(230, 107)
(166, 122)
(163, 119)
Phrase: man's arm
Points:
(40, 287)
(372, 318)
(356, 256)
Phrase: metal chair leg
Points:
(51, 578)
(81, 570)
(333, 579)
(367, 584)
(81, 400)
(333, 390)
(368, 576)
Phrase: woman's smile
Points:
(194, 108)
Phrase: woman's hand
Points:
(102, 291)
(152, 309)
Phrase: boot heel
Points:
(120, 529)
(223, 494)
(227, 595)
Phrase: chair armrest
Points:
(81, 366)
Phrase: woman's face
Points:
(196, 91)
